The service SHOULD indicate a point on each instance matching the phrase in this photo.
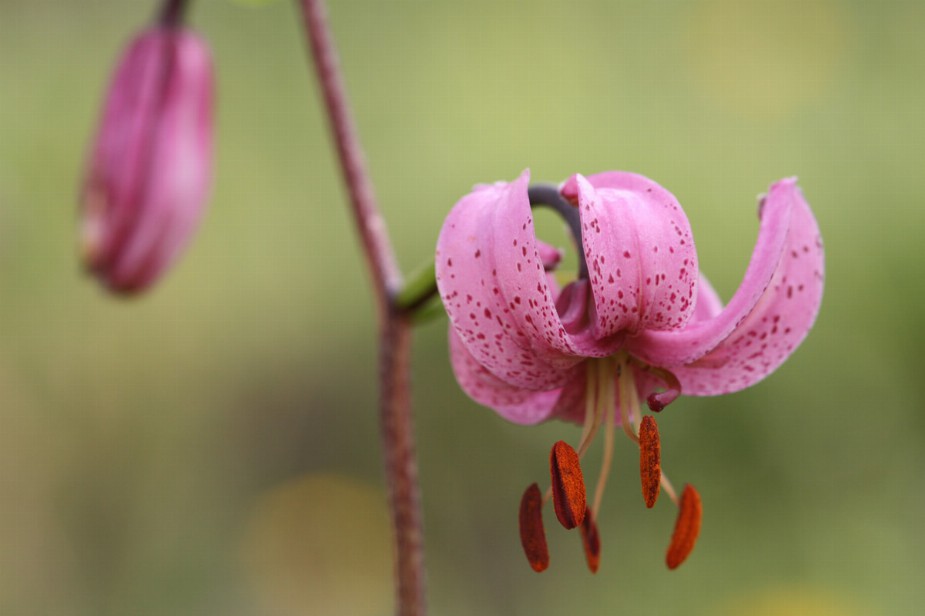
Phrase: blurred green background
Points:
(212, 447)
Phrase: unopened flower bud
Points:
(150, 167)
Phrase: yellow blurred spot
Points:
(789, 602)
(320, 545)
(762, 58)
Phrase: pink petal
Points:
(516, 404)
(674, 348)
(781, 318)
(491, 278)
(483, 270)
(708, 303)
(640, 253)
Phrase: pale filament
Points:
(609, 369)
(628, 400)
(669, 489)
(600, 399)
(594, 409)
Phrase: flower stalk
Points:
(172, 11)
(395, 320)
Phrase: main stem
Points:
(395, 418)
(397, 428)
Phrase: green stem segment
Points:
(420, 288)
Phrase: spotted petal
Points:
(640, 252)
(516, 404)
(783, 313)
(491, 278)
(708, 303)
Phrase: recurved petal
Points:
(640, 252)
(776, 233)
(780, 320)
(708, 303)
(516, 404)
(491, 278)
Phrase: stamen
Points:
(568, 485)
(592, 408)
(591, 541)
(532, 534)
(669, 489)
(628, 401)
(650, 467)
(686, 528)
(605, 409)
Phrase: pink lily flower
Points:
(150, 168)
(640, 322)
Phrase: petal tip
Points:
(569, 189)
(789, 182)
(573, 188)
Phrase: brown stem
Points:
(373, 234)
(401, 464)
(396, 422)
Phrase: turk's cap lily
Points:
(640, 322)
(518, 342)
(150, 167)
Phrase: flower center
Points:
(611, 396)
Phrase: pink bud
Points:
(149, 175)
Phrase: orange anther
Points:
(591, 541)
(532, 534)
(686, 528)
(568, 485)
(650, 466)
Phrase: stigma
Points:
(611, 398)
